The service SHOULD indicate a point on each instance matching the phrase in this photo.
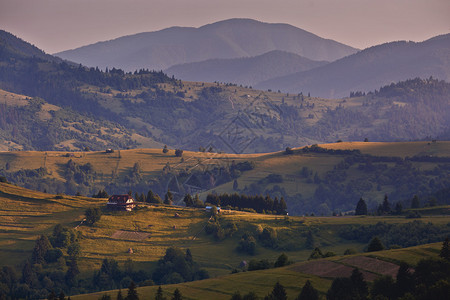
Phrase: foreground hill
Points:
(371, 68)
(226, 39)
(105, 261)
(320, 179)
(292, 277)
(245, 71)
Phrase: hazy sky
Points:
(56, 25)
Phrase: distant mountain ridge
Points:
(232, 38)
(246, 70)
(371, 68)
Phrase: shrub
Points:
(178, 152)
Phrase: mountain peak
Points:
(231, 38)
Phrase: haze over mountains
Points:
(245, 71)
(232, 38)
(269, 56)
(371, 68)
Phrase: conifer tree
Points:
(405, 280)
(386, 206)
(177, 295)
(308, 292)
(188, 201)
(415, 202)
(168, 199)
(361, 207)
(445, 251)
(132, 292)
(119, 295)
(62, 296)
(360, 288)
(159, 294)
(278, 292)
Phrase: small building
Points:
(121, 202)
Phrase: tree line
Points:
(258, 203)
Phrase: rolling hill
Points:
(232, 38)
(371, 68)
(151, 229)
(318, 179)
(292, 277)
(244, 71)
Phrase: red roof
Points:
(120, 199)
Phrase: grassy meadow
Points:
(110, 167)
(150, 230)
(261, 282)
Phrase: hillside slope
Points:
(156, 109)
(291, 277)
(151, 229)
(11, 44)
(320, 179)
(245, 71)
(371, 68)
(226, 39)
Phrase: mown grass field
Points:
(26, 214)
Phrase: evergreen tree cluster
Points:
(259, 203)
(176, 267)
(429, 280)
(404, 235)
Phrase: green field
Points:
(150, 230)
(263, 281)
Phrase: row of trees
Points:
(259, 203)
(385, 207)
(403, 235)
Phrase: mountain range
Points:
(247, 70)
(371, 68)
(72, 107)
(269, 56)
(234, 38)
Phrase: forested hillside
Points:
(150, 109)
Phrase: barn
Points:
(121, 202)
